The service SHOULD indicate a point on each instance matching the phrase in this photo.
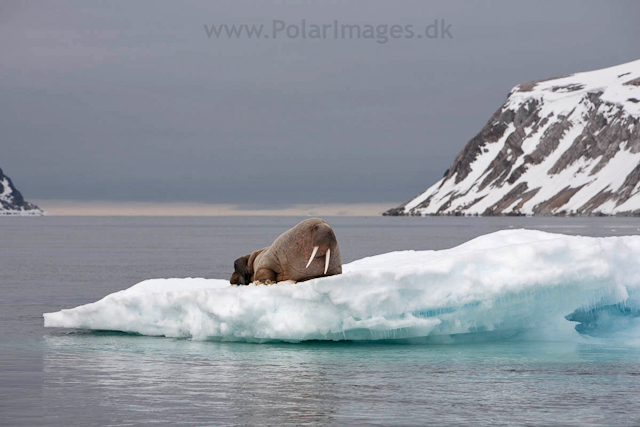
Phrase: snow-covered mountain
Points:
(12, 202)
(560, 146)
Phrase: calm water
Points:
(62, 377)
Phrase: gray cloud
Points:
(132, 101)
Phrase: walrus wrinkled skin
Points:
(304, 252)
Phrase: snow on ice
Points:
(521, 283)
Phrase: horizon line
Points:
(62, 207)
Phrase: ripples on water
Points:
(130, 378)
(58, 377)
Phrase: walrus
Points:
(243, 269)
(242, 273)
(304, 252)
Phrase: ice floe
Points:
(509, 283)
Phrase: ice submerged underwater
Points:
(515, 284)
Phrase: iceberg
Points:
(511, 283)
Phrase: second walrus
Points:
(304, 252)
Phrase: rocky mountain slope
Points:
(563, 146)
(12, 202)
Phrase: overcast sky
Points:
(132, 100)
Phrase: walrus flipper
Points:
(265, 274)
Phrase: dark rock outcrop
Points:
(11, 200)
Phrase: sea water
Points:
(71, 377)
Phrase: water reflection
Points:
(115, 378)
(141, 378)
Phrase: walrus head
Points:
(242, 273)
(322, 240)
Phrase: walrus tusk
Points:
(313, 255)
(326, 261)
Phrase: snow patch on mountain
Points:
(12, 202)
(562, 146)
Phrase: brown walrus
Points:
(304, 252)
(243, 268)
